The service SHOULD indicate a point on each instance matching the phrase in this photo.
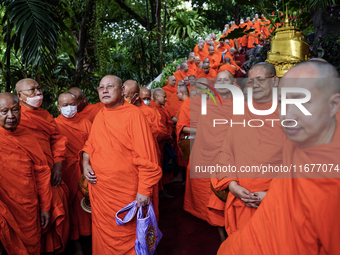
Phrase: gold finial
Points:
(287, 19)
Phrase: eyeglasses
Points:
(109, 87)
(32, 90)
(259, 80)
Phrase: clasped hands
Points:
(250, 199)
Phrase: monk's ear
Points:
(59, 108)
(84, 98)
(334, 103)
(276, 81)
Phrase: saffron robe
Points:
(90, 111)
(124, 159)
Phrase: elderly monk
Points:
(178, 67)
(199, 198)
(77, 131)
(207, 72)
(299, 216)
(25, 189)
(191, 64)
(215, 58)
(53, 144)
(192, 82)
(222, 47)
(131, 92)
(133, 175)
(201, 53)
(197, 61)
(248, 146)
(182, 72)
(171, 87)
(227, 66)
(85, 110)
(186, 81)
(172, 104)
(145, 95)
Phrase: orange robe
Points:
(173, 104)
(45, 130)
(76, 130)
(243, 41)
(199, 200)
(249, 146)
(192, 69)
(169, 90)
(124, 159)
(179, 76)
(227, 67)
(90, 111)
(202, 54)
(223, 48)
(215, 60)
(25, 191)
(212, 74)
(228, 55)
(298, 215)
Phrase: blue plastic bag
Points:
(148, 233)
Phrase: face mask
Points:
(69, 111)
(147, 102)
(128, 100)
(34, 101)
(241, 22)
(131, 100)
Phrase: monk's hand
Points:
(57, 175)
(142, 200)
(261, 195)
(89, 173)
(44, 219)
(242, 193)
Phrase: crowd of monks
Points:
(120, 143)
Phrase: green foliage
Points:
(185, 23)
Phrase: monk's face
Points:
(248, 19)
(200, 85)
(206, 60)
(30, 94)
(9, 113)
(197, 60)
(224, 78)
(310, 130)
(200, 47)
(256, 16)
(110, 91)
(178, 67)
(262, 84)
(160, 98)
(180, 83)
(191, 58)
(227, 42)
(80, 99)
(206, 68)
(222, 43)
(185, 68)
(145, 95)
(192, 80)
(211, 50)
(186, 81)
(66, 100)
(172, 81)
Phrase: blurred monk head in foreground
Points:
(172, 80)
(178, 67)
(224, 77)
(145, 95)
(9, 111)
(79, 97)
(200, 46)
(159, 96)
(110, 91)
(322, 80)
(131, 92)
(262, 79)
(180, 83)
(67, 104)
(200, 84)
(29, 93)
(197, 60)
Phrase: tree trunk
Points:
(237, 14)
(8, 55)
(148, 28)
(159, 36)
(324, 24)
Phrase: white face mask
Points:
(34, 101)
(241, 22)
(147, 102)
(69, 111)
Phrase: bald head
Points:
(197, 60)
(206, 60)
(232, 51)
(145, 93)
(77, 92)
(10, 111)
(226, 60)
(79, 97)
(159, 96)
(191, 57)
(184, 67)
(269, 68)
(110, 91)
(172, 80)
(206, 68)
(29, 93)
(211, 50)
(67, 98)
(131, 86)
(200, 46)
(178, 67)
(182, 93)
(200, 84)
(24, 84)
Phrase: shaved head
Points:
(226, 60)
(66, 96)
(318, 59)
(206, 60)
(132, 86)
(77, 92)
(269, 68)
(172, 80)
(10, 111)
(180, 83)
(24, 83)
(159, 96)
(144, 92)
(184, 90)
(206, 68)
(200, 84)
(110, 91)
(113, 78)
(184, 67)
(80, 98)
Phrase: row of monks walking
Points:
(122, 143)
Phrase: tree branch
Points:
(132, 13)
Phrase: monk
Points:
(197, 62)
(201, 53)
(227, 66)
(77, 131)
(145, 95)
(85, 110)
(224, 33)
(248, 146)
(231, 54)
(213, 39)
(207, 43)
(130, 146)
(207, 72)
(171, 87)
(196, 47)
(173, 104)
(25, 190)
(191, 64)
(222, 47)
(199, 198)
(131, 91)
(186, 81)
(178, 67)
(265, 26)
(243, 41)
(182, 72)
(45, 130)
(192, 82)
(215, 58)
(290, 219)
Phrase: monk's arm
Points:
(88, 171)
(189, 130)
